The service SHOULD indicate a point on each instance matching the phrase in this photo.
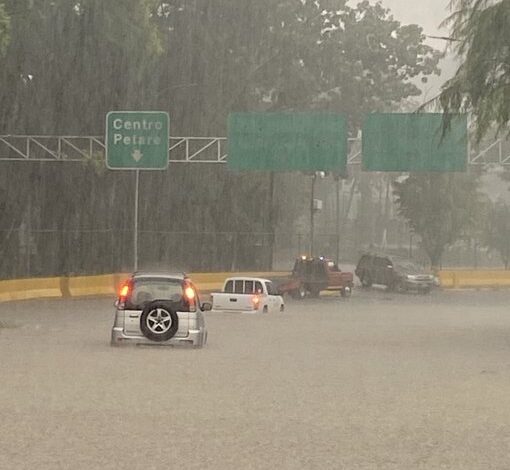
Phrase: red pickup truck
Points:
(310, 276)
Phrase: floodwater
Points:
(379, 380)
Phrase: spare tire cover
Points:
(159, 321)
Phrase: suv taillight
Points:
(124, 293)
(191, 298)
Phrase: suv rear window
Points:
(364, 261)
(149, 289)
(382, 262)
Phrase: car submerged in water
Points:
(397, 274)
(159, 308)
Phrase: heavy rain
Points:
(268, 234)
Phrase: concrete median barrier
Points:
(92, 285)
(105, 284)
(23, 289)
(474, 279)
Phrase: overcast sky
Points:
(426, 13)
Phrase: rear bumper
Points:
(235, 311)
(418, 285)
(196, 338)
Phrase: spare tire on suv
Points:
(159, 321)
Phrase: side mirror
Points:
(206, 307)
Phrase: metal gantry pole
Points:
(135, 232)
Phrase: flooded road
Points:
(379, 380)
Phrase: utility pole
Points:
(315, 206)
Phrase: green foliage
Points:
(496, 231)
(4, 29)
(70, 62)
(289, 54)
(481, 29)
(440, 208)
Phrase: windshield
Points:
(409, 267)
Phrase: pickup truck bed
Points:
(248, 295)
(233, 302)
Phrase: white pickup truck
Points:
(248, 295)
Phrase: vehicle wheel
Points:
(314, 292)
(265, 309)
(365, 280)
(159, 321)
(397, 286)
(346, 291)
(299, 294)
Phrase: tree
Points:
(65, 56)
(69, 62)
(440, 208)
(4, 29)
(481, 37)
(289, 54)
(497, 229)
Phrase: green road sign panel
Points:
(414, 142)
(287, 142)
(137, 140)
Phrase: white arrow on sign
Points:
(137, 155)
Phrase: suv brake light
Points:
(124, 293)
(189, 294)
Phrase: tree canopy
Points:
(439, 207)
(200, 60)
(69, 62)
(4, 29)
(480, 32)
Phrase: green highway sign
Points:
(137, 140)
(414, 142)
(286, 141)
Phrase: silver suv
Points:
(159, 308)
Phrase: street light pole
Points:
(338, 189)
(312, 215)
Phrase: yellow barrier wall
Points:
(106, 284)
(465, 279)
(21, 289)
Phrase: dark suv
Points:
(395, 273)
